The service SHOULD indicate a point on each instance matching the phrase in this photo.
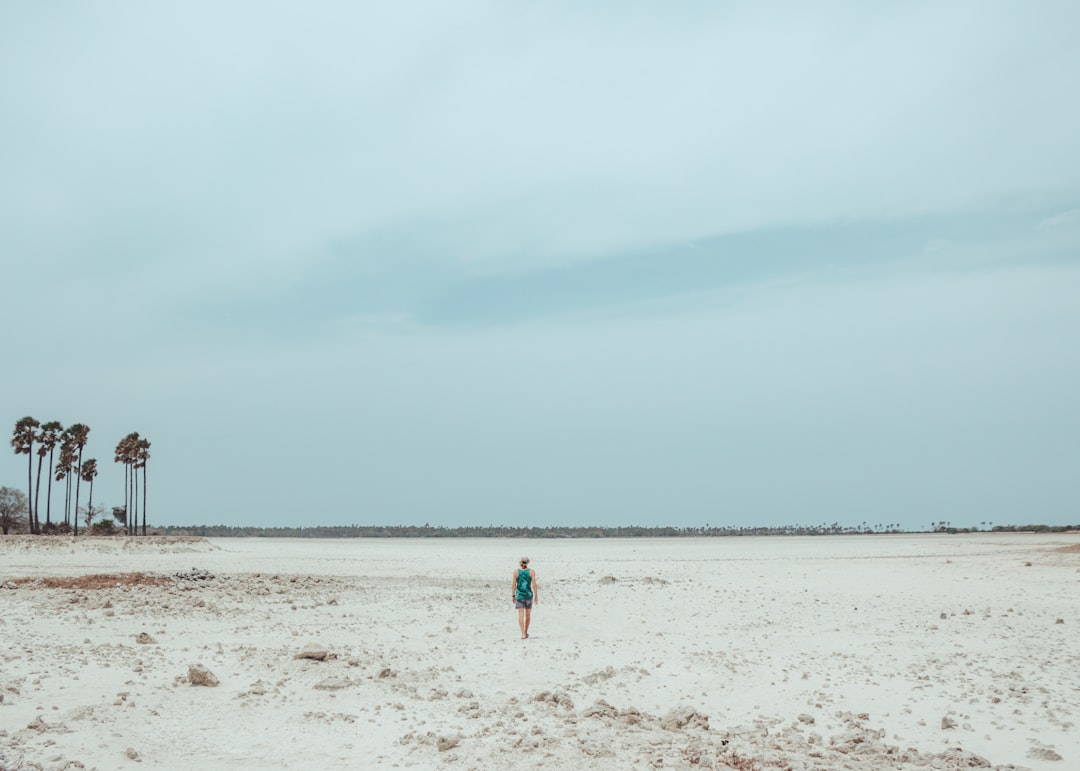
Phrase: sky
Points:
(550, 263)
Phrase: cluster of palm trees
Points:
(31, 437)
(133, 451)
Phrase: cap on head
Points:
(524, 560)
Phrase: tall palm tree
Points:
(22, 439)
(127, 453)
(79, 434)
(88, 472)
(142, 455)
(49, 438)
(64, 469)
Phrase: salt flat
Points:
(857, 652)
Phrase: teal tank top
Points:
(524, 585)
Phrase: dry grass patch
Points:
(1072, 547)
(95, 581)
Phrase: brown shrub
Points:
(95, 581)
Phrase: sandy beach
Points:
(865, 653)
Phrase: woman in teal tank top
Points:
(526, 593)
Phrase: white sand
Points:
(802, 653)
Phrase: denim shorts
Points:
(526, 604)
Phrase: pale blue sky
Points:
(550, 263)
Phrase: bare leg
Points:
(528, 618)
(522, 622)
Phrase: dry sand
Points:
(884, 652)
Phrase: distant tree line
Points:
(499, 531)
(64, 448)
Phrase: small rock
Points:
(807, 719)
(608, 580)
(132, 755)
(312, 651)
(145, 639)
(947, 723)
(387, 672)
(447, 743)
(1027, 564)
(464, 693)
(1060, 621)
(200, 675)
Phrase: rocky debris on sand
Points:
(131, 754)
(200, 675)
(557, 698)
(600, 675)
(608, 580)
(958, 758)
(947, 723)
(313, 651)
(10, 585)
(258, 688)
(470, 710)
(39, 725)
(806, 719)
(333, 684)
(1043, 753)
(684, 717)
(443, 743)
(600, 709)
(195, 574)
(143, 638)
(464, 693)
(387, 672)
(630, 715)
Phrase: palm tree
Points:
(127, 453)
(49, 437)
(142, 455)
(88, 472)
(79, 433)
(64, 469)
(22, 439)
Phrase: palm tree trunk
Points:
(134, 501)
(127, 505)
(144, 498)
(90, 499)
(37, 493)
(30, 487)
(132, 514)
(78, 481)
(48, 496)
(67, 499)
(135, 476)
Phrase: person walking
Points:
(526, 593)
